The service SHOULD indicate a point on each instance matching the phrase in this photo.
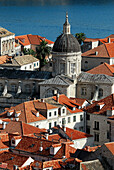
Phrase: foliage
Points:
(29, 52)
(42, 51)
(80, 37)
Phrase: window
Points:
(74, 118)
(37, 63)
(96, 125)
(73, 67)
(88, 129)
(63, 121)
(68, 119)
(49, 125)
(81, 118)
(87, 117)
(86, 62)
(13, 141)
(34, 64)
(63, 110)
(96, 137)
(55, 123)
(30, 66)
(25, 68)
(13, 88)
(49, 114)
(83, 91)
(108, 135)
(55, 113)
(100, 94)
(62, 68)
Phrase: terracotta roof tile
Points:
(110, 146)
(108, 104)
(33, 145)
(31, 39)
(104, 50)
(12, 159)
(69, 103)
(102, 69)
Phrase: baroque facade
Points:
(7, 42)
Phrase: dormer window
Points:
(100, 93)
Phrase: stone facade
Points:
(7, 42)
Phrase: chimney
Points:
(15, 167)
(64, 128)
(96, 52)
(46, 136)
(17, 119)
(42, 100)
(40, 148)
(57, 96)
(109, 40)
(4, 125)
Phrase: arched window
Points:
(86, 62)
(100, 93)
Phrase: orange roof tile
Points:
(102, 69)
(104, 50)
(31, 39)
(108, 104)
(69, 103)
(75, 134)
(4, 59)
(110, 146)
(22, 128)
(12, 159)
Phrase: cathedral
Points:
(66, 57)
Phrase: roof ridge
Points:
(108, 65)
(107, 50)
(62, 79)
(24, 112)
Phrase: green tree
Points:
(42, 51)
(29, 52)
(80, 37)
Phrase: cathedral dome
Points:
(66, 43)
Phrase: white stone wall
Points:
(72, 124)
(103, 127)
(31, 66)
(81, 143)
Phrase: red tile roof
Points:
(110, 146)
(33, 145)
(91, 39)
(12, 159)
(31, 39)
(27, 111)
(78, 101)
(75, 134)
(102, 69)
(65, 150)
(108, 105)
(4, 59)
(104, 50)
(69, 103)
(22, 128)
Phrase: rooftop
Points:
(102, 51)
(102, 69)
(4, 32)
